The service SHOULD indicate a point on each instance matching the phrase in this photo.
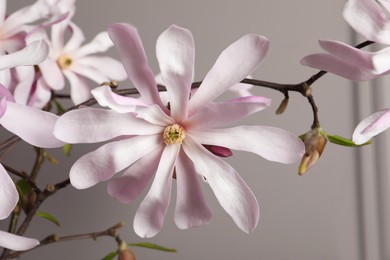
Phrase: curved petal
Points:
(218, 114)
(103, 163)
(154, 115)
(109, 67)
(88, 72)
(52, 74)
(176, 55)
(4, 92)
(371, 126)
(100, 43)
(91, 125)
(191, 209)
(15, 242)
(231, 191)
(349, 54)
(121, 104)
(130, 49)
(9, 196)
(128, 186)
(234, 64)
(242, 89)
(25, 76)
(32, 54)
(336, 66)
(272, 143)
(150, 215)
(368, 19)
(32, 125)
(75, 40)
(40, 94)
(80, 91)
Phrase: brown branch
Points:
(110, 232)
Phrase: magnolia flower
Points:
(369, 19)
(73, 61)
(150, 139)
(371, 126)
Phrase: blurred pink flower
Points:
(369, 18)
(371, 126)
(72, 60)
(153, 140)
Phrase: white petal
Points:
(371, 126)
(32, 125)
(176, 54)
(235, 63)
(191, 209)
(272, 143)
(231, 191)
(16, 243)
(103, 163)
(91, 125)
(80, 91)
(109, 67)
(9, 196)
(217, 114)
(150, 215)
(128, 186)
(100, 43)
(121, 104)
(32, 54)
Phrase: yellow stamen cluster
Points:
(174, 134)
(64, 61)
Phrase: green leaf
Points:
(67, 148)
(48, 217)
(110, 256)
(336, 139)
(23, 187)
(153, 246)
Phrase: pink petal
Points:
(121, 104)
(371, 126)
(130, 49)
(128, 186)
(272, 143)
(150, 215)
(75, 40)
(32, 54)
(4, 92)
(52, 74)
(9, 196)
(368, 19)
(80, 91)
(41, 95)
(231, 191)
(339, 67)
(88, 72)
(242, 89)
(100, 43)
(217, 114)
(16, 243)
(234, 64)
(3, 106)
(154, 115)
(25, 76)
(32, 125)
(192, 209)
(176, 54)
(91, 125)
(109, 67)
(103, 163)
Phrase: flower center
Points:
(174, 134)
(64, 61)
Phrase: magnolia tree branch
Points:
(110, 232)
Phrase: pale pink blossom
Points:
(148, 140)
(369, 18)
(371, 126)
(71, 60)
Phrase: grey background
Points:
(330, 213)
